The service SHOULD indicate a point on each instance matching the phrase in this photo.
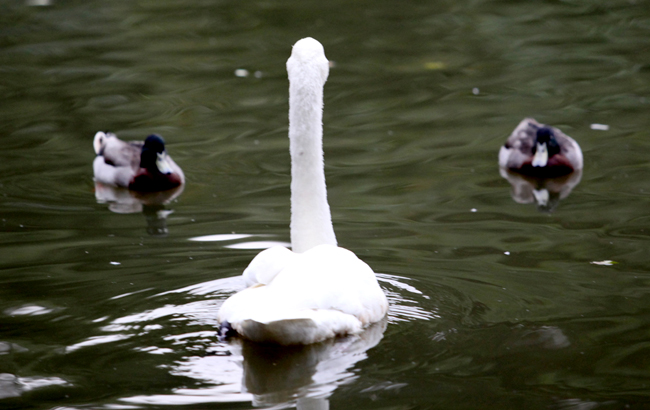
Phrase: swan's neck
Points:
(311, 221)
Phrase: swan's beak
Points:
(541, 156)
(541, 196)
(162, 164)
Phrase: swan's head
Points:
(306, 54)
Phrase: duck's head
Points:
(545, 147)
(154, 156)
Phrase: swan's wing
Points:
(332, 278)
(257, 315)
(267, 264)
(326, 290)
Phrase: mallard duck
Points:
(136, 165)
(317, 290)
(540, 150)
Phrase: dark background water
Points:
(495, 304)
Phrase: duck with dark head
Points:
(540, 151)
(136, 165)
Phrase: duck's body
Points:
(318, 290)
(540, 150)
(137, 165)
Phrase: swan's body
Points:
(318, 290)
(136, 165)
(540, 150)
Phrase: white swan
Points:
(319, 290)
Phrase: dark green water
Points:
(495, 305)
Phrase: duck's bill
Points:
(162, 163)
(541, 156)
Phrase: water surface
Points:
(494, 303)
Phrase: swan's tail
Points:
(308, 327)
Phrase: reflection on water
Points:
(151, 204)
(546, 193)
(269, 375)
(277, 376)
(242, 371)
(249, 244)
(12, 386)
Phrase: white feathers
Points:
(327, 290)
(311, 221)
(319, 290)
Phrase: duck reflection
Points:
(304, 375)
(546, 193)
(151, 204)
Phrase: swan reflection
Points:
(546, 193)
(242, 371)
(151, 204)
(306, 374)
(301, 376)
